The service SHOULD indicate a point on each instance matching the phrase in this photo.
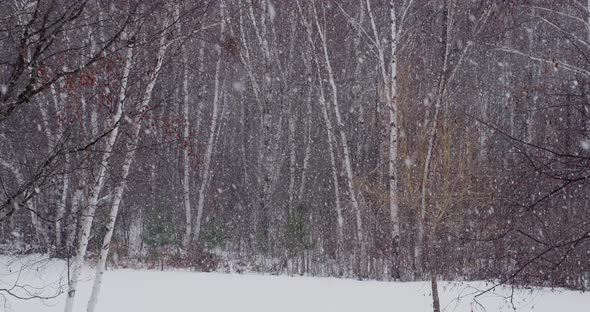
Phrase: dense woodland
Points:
(382, 139)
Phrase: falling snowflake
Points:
(271, 11)
(238, 86)
(408, 162)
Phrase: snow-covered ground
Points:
(175, 291)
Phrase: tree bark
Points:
(186, 145)
(345, 149)
(130, 149)
(330, 140)
(87, 215)
(205, 170)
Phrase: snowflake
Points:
(238, 86)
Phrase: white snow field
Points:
(175, 291)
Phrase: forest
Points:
(406, 140)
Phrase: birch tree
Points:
(205, 171)
(343, 141)
(186, 144)
(164, 43)
(87, 215)
(329, 132)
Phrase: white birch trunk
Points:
(345, 150)
(106, 244)
(393, 128)
(390, 91)
(186, 149)
(134, 248)
(308, 143)
(70, 227)
(331, 143)
(61, 206)
(206, 174)
(292, 157)
(483, 136)
(128, 161)
(329, 139)
(87, 216)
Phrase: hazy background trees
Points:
(382, 139)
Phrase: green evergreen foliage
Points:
(297, 234)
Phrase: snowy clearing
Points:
(133, 290)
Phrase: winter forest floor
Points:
(147, 291)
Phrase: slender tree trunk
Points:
(186, 144)
(292, 157)
(70, 228)
(205, 170)
(51, 139)
(110, 226)
(307, 142)
(345, 149)
(447, 74)
(246, 60)
(330, 140)
(61, 206)
(434, 289)
(87, 215)
(132, 142)
(393, 128)
(483, 136)
(331, 143)
(390, 91)
(444, 78)
(268, 160)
